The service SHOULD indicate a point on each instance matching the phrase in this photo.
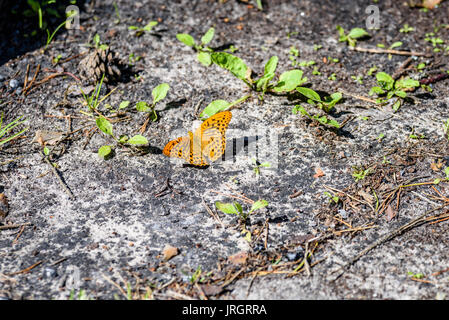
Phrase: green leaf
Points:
(204, 58)
(407, 83)
(309, 93)
(208, 36)
(259, 204)
(230, 62)
(341, 32)
(150, 25)
(401, 94)
(46, 151)
(138, 140)
(270, 66)
(104, 151)
(142, 106)
(357, 33)
(396, 105)
(214, 107)
(228, 208)
(187, 39)
(123, 104)
(262, 83)
(396, 44)
(376, 90)
(123, 139)
(289, 80)
(385, 80)
(160, 92)
(104, 125)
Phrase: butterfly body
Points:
(205, 145)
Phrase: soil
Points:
(74, 225)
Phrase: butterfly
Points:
(207, 144)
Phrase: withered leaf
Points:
(238, 258)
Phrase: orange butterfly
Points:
(207, 144)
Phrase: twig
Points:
(56, 173)
(203, 295)
(390, 51)
(34, 79)
(232, 278)
(295, 194)
(402, 69)
(408, 226)
(177, 295)
(357, 96)
(26, 270)
(13, 226)
(22, 228)
(25, 81)
(215, 216)
(349, 196)
(115, 285)
(58, 261)
(252, 280)
(234, 196)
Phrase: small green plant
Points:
(287, 82)
(446, 128)
(435, 41)
(331, 197)
(203, 51)
(82, 295)
(236, 208)
(218, 106)
(258, 165)
(133, 58)
(141, 30)
(322, 119)
(117, 13)
(8, 129)
(41, 8)
(358, 79)
(158, 93)
(51, 36)
(371, 70)
(380, 137)
(353, 35)
(389, 88)
(360, 174)
(406, 28)
(313, 98)
(104, 124)
(92, 100)
(415, 275)
(97, 43)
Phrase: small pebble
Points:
(14, 83)
(293, 256)
(343, 213)
(49, 272)
(2, 77)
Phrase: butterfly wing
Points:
(213, 135)
(185, 148)
(208, 142)
(178, 148)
